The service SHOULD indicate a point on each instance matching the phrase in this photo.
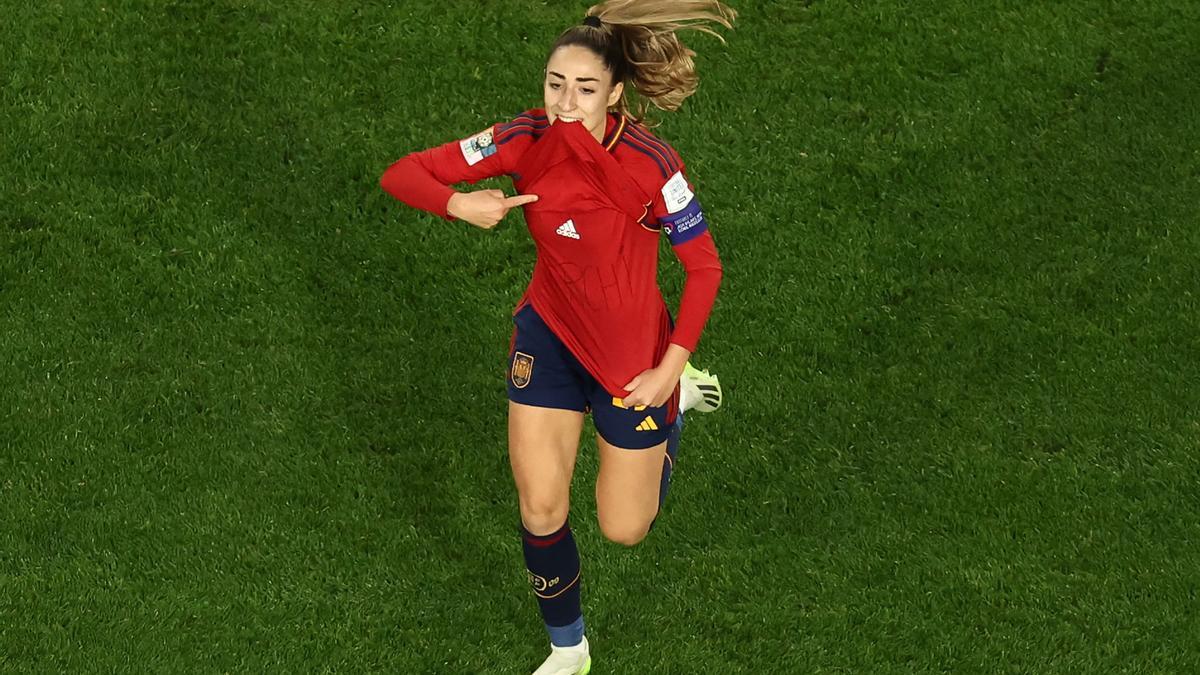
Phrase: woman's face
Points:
(578, 89)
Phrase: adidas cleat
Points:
(699, 390)
(567, 661)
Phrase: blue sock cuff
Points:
(566, 636)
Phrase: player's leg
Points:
(635, 465)
(627, 490)
(546, 408)
(543, 444)
(672, 451)
(698, 391)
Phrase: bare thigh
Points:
(627, 490)
(542, 446)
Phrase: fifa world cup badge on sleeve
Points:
(478, 147)
(676, 193)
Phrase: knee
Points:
(543, 513)
(624, 533)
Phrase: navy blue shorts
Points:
(543, 372)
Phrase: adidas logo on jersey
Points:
(567, 229)
(647, 424)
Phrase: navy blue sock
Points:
(669, 460)
(553, 565)
(668, 463)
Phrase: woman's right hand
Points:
(484, 208)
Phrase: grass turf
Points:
(253, 417)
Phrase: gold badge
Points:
(538, 582)
(522, 370)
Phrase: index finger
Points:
(519, 200)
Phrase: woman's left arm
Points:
(703, 267)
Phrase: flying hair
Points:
(639, 44)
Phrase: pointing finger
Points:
(519, 200)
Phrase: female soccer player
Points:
(592, 332)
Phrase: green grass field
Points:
(252, 412)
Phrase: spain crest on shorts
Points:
(522, 370)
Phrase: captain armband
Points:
(685, 225)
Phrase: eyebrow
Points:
(578, 79)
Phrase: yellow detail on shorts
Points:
(620, 403)
(647, 424)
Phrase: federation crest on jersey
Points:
(478, 147)
(522, 370)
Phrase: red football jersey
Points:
(600, 210)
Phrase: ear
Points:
(615, 94)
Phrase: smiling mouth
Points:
(564, 118)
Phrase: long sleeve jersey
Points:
(601, 209)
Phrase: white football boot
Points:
(698, 390)
(567, 661)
